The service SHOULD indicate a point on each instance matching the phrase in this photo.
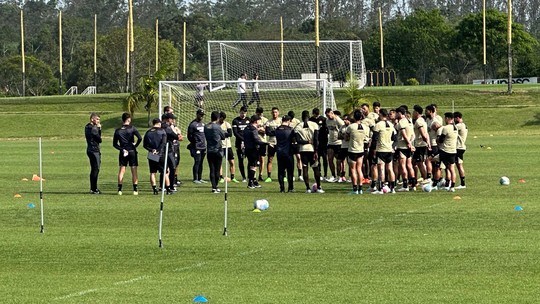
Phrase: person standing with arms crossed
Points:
(92, 132)
(123, 141)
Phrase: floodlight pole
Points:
(163, 195)
(42, 228)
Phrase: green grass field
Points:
(307, 248)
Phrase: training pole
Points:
(163, 194)
(226, 190)
(453, 106)
(42, 229)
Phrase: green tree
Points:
(147, 93)
(39, 77)
(112, 59)
(468, 39)
(355, 96)
(416, 45)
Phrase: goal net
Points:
(287, 95)
(287, 60)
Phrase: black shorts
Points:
(460, 154)
(271, 151)
(262, 150)
(342, 155)
(155, 166)
(353, 156)
(131, 159)
(420, 154)
(447, 158)
(403, 153)
(384, 157)
(334, 148)
(434, 151)
(307, 158)
(230, 155)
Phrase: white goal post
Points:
(287, 95)
(274, 59)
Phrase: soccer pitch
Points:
(307, 248)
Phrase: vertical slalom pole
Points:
(163, 195)
(226, 189)
(42, 229)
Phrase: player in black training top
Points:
(154, 142)
(124, 141)
(92, 132)
(238, 126)
(284, 141)
(322, 149)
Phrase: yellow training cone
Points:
(457, 197)
(24, 179)
(17, 195)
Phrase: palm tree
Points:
(356, 97)
(147, 94)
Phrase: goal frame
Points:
(326, 90)
(362, 76)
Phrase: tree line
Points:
(433, 41)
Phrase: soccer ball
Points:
(505, 181)
(314, 188)
(427, 187)
(261, 204)
(385, 189)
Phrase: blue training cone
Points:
(31, 205)
(518, 208)
(200, 299)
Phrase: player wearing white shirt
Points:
(461, 146)
(356, 133)
(447, 140)
(227, 147)
(307, 136)
(270, 127)
(434, 122)
(333, 123)
(404, 149)
(255, 91)
(422, 143)
(241, 90)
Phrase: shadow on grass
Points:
(534, 122)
